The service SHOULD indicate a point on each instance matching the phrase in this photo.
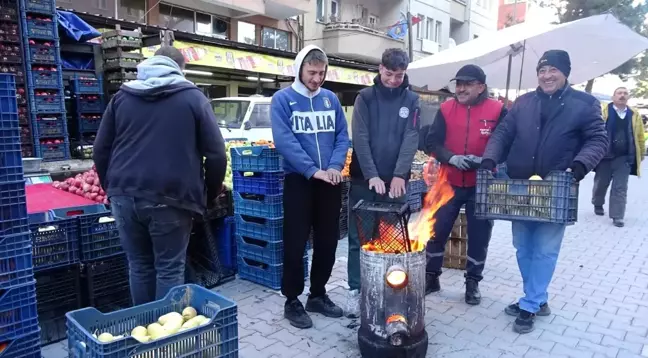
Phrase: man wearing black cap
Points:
(566, 133)
(457, 139)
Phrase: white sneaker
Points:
(352, 308)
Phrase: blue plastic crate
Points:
(8, 103)
(55, 242)
(13, 202)
(89, 122)
(45, 77)
(259, 228)
(553, 199)
(256, 159)
(40, 6)
(53, 151)
(18, 311)
(227, 243)
(43, 52)
(89, 103)
(263, 273)
(87, 85)
(48, 102)
(417, 186)
(415, 202)
(49, 126)
(270, 251)
(11, 167)
(15, 261)
(261, 206)
(41, 27)
(216, 339)
(98, 233)
(262, 183)
(24, 346)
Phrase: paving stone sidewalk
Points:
(599, 298)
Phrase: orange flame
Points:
(422, 230)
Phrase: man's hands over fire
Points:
(378, 185)
(397, 188)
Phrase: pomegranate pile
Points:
(86, 185)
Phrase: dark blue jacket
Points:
(572, 132)
(151, 145)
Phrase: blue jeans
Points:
(155, 237)
(538, 246)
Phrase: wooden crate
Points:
(456, 251)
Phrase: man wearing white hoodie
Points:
(310, 132)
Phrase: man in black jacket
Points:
(385, 139)
(157, 137)
(567, 133)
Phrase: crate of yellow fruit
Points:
(552, 199)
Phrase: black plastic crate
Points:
(55, 242)
(58, 291)
(11, 54)
(10, 33)
(197, 271)
(552, 199)
(9, 10)
(106, 284)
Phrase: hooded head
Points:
(160, 75)
(311, 65)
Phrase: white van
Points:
(244, 118)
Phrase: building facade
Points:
(511, 12)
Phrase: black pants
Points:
(309, 203)
(479, 234)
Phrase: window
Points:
(429, 29)
(276, 39)
(177, 18)
(230, 114)
(260, 116)
(203, 24)
(321, 15)
(437, 32)
(419, 27)
(132, 8)
(247, 33)
(373, 21)
(219, 28)
(335, 8)
(100, 4)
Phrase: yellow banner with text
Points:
(213, 56)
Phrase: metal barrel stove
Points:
(392, 298)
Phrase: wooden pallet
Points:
(456, 251)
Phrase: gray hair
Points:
(316, 57)
(172, 53)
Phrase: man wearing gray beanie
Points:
(554, 128)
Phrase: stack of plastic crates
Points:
(104, 267)
(87, 92)
(120, 59)
(19, 331)
(217, 338)
(12, 60)
(258, 207)
(416, 189)
(45, 79)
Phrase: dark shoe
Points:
(598, 210)
(524, 323)
(432, 283)
(295, 314)
(514, 310)
(618, 222)
(325, 306)
(473, 296)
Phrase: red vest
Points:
(468, 129)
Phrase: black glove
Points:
(487, 164)
(579, 171)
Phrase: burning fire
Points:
(422, 229)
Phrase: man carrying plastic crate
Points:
(385, 140)
(457, 139)
(310, 132)
(149, 156)
(553, 128)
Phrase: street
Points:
(599, 299)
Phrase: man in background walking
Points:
(625, 154)
(310, 132)
(385, 140)
(457, 139)
(149, 154)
